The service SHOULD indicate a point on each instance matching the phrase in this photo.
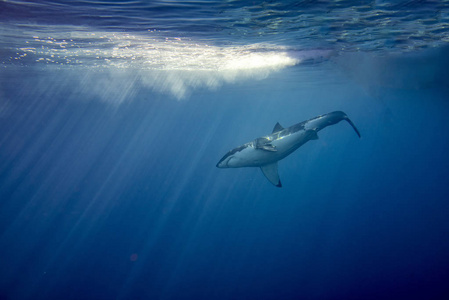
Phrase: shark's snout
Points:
(223, 163)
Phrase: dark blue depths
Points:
(106, 201)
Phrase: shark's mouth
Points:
(223, 163)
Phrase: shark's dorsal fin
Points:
(271, 172)
(277, 127)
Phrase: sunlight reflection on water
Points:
(170, 65)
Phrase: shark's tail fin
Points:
(353, 126)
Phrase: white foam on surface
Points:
(170, 65)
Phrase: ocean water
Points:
(113, 115)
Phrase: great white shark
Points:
(266, 151)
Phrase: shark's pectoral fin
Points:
(264, 144)
(313, 135)
(269, 147)
(271, 172)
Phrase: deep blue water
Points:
(113, 116)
